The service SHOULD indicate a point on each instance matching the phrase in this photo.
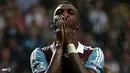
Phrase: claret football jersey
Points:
(92, 58)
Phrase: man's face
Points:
(67, 11)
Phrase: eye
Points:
(70, 11)
(60, 11)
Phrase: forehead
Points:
(66, 6)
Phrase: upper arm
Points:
(38, 61)
(95, 61)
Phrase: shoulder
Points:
(95, 60)
(93, 52)
(96, 53)
(43, 53)
(38, 61)
(39, 51)
(97, 49)
(93, 49)
(36, 53)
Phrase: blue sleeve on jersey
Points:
(95, 60)
(38, 61)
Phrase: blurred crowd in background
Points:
(25, 25)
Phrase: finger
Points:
(68, 19)
(61, 27)
(62, 34)
(64, 19)
(58, 22)
(65, 28)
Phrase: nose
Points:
(65, 14)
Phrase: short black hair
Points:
(65, 2)
(68, 2)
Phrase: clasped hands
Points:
(64, 34)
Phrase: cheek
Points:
(73, 20)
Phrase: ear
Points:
(77, 27)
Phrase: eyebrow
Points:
(71, 9)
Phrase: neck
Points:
(73, 38)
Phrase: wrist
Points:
(71, 49)
(59, 52)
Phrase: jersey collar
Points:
(80, 48)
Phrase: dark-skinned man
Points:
(66, 54)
